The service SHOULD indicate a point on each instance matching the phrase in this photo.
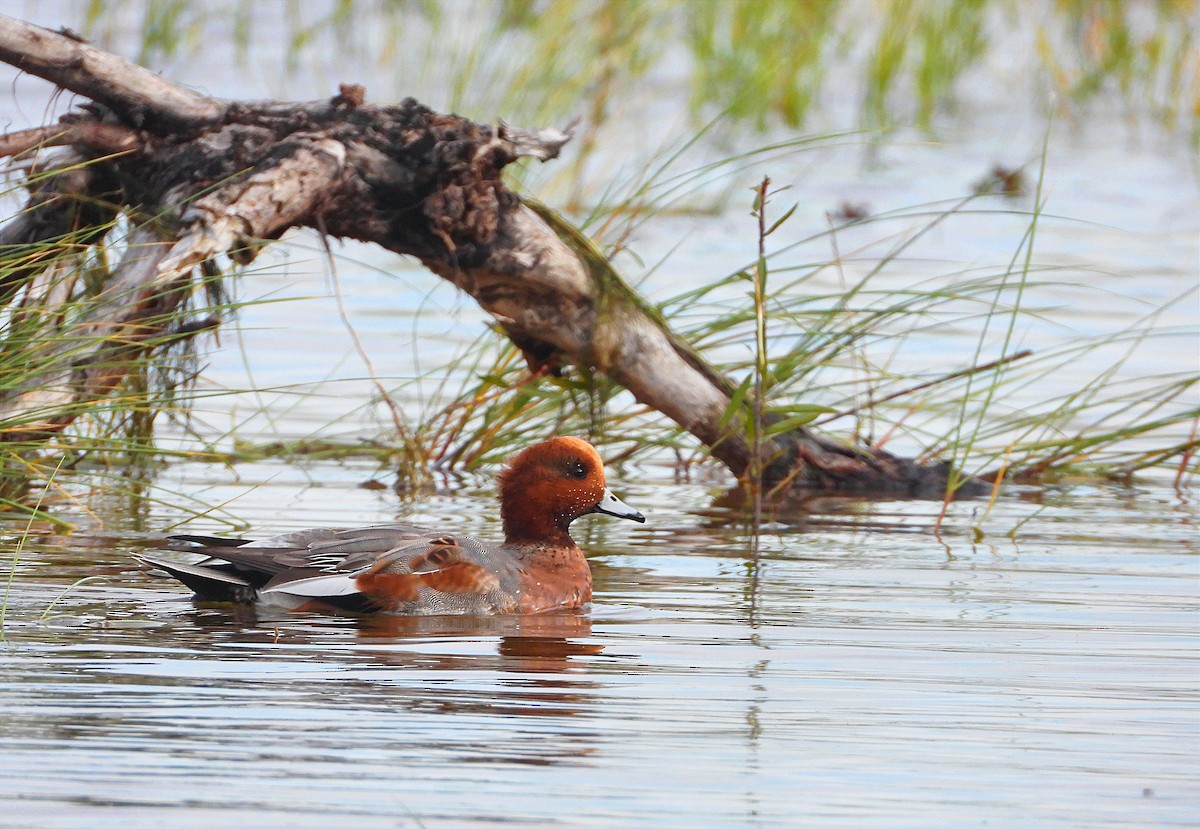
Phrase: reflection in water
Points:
(806, 510)
(543, 649)
(545, 626)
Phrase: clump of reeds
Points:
(50, 296)
(762, 63)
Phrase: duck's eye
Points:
(579, 469)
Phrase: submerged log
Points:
(225, 177)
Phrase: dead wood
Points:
(222, 178)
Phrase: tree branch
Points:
(103, 138)
(137, 95)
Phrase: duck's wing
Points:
(397, 568)
(236, 568)
(419, 572)
(255, 562)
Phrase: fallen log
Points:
(207, 178)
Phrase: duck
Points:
(407, 570)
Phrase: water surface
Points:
(854, 670)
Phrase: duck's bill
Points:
(612, 505)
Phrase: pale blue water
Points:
(859, 674)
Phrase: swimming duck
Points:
(408, 570)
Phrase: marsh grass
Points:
(46, 337)
(812, 352)
(834, 349)
(801, 346)
(763, 64)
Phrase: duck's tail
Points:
(210, 582)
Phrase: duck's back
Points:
(395, 568)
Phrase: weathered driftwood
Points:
(223, 177)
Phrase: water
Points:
(859, 673)
(858, 668)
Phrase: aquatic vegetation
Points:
(761, 63)
(830, 358)
(817, 353)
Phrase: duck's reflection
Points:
(552, 643)
(537, 668)
(488, 669)
(544, 643)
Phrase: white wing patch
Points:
(317, 587)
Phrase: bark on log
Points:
(224, 177)
(136, 94)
